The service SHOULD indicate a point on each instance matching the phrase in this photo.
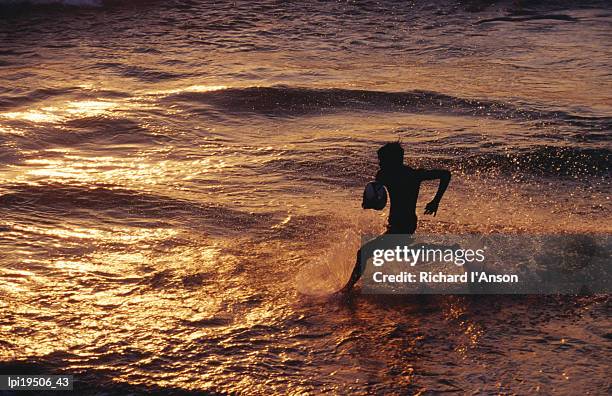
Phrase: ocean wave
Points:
(125, 205)
(33, 96)
(547, 161)
(526, 18)
(296, 101)
(12, 100)
(95, 133)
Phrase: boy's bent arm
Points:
(444, 176)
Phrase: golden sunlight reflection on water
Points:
(182, 217)
(56, 112)
(133, 171)
(63, 111)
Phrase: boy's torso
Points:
(403, 186)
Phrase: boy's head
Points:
(391, 155)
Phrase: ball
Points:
(374, 196)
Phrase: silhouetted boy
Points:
(402, 183)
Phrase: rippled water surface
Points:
(180, 189)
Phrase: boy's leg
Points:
(356, 274)
(387, 240)
(365, 252)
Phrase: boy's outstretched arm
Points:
(444, 176)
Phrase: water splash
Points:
(330, 267)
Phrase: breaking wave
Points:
(296, 101)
